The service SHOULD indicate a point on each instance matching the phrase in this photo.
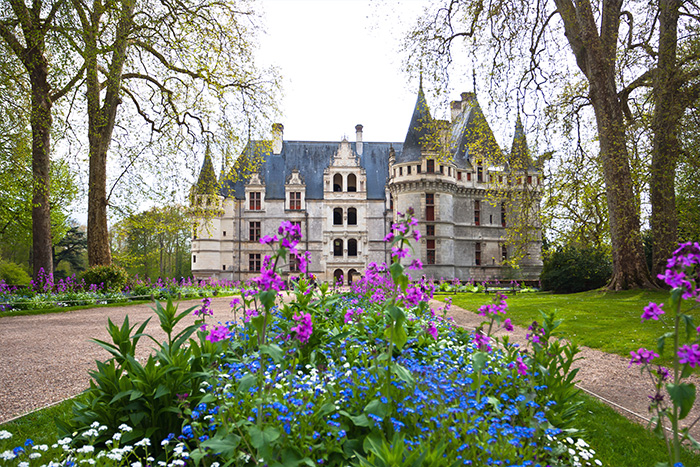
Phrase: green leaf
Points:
(683, 396)
(479, 361)
(396, 313)
(396, 270)
(260, 439)
(274, 351)
(224, 446)
(267, 298)
(402, 373)
(245, 383)
(376, 407)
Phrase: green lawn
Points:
(608, 321)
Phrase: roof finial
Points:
(420, 82)
(474, 79)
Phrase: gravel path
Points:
(46, 358)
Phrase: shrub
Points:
(572, 269)
(13, 274)
(110, 277)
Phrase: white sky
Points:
(340, 64)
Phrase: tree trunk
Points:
(99, 252)
(41, 120)
(667, 113)
(595, 53)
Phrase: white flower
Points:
(137, 464)
(125, 428)
(117, 436)
(598, 462)
(64, 441)
(143, 442)
(41, 447)
(23, 464)
(4, 434)
(95, 425)
(35, 455)
(7, 455)
(85, 449)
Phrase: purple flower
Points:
(507, 325)
(305, 327)
(416, 264)
(235, 302)
(522, 367)
(268, 239)
(642, 356)
(689, 354)
(432, 330)
(389, 237)
(217, 334)
(652, 311)
(398, 251)
(399, 227)
(416, 235)
(482, 341)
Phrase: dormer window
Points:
(295, 200)
(430, 166)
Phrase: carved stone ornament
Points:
(295, 178)
(345, 156)
(254, 180)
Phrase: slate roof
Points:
(471, 136)
(206, 182)
(311, 158)
(419, 130)
(520, 153)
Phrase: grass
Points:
(608, 321)
(619, 442)
(40, 425)
(62, 309)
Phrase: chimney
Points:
(358, 136)
(468, 98)
(277, 134)
(455, 109)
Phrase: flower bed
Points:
(370, 378)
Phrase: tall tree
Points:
(591, 33)
(29, 36)
(143, 52)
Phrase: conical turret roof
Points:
(207, 184)
(520, 154)
(419, 130)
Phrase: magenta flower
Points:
(522, 367)
(235, 302)
(389, 237)
(689, 354)
(642, 356)
(482, 341)
(268, 239)
(416, 264)
(652, 311)
(305, 327)
(507, 325)
(398, 251)
(416, 235)
(218, 333)
(432, 330)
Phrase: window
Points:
(479, 174)
(418, 169)
(430, 166)
(503, 215)
(224, 233)
(529, 179)
(442, 169)
(194, 258)
(254, 261)
(223, 268)
(408, 170)
(477, 212)
(429, 206)
(469, 176)
(352, 247)
(430, 230)
(449, 171)
(504, 254)
(293, 263)
(337, 182)
(459, 175)
(337, 247)
(391, 201)
(295, 200)
(352, 216)
(352, 182)
(254, 231)
(255, 204)
(400, 171)
(338, 216)
(477, 254)
(430, 251)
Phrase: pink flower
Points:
(689, 354)
(305, 327)
(235, 302)
(268, 239)
(482, 341)
(652, 311)
(432, 330)
(643, 356)
(398, 251)
(217, 334)
(416, 235)
(389, 237)
(507, 325)
(522, 367)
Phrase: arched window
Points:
(352, 247)
(337, 247)
(338, 216)
(352, 182)
(351, 274)
(352, 216)
(337, 182)
(338, 276)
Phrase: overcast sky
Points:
(340, 64)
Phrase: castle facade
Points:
(477, 207)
